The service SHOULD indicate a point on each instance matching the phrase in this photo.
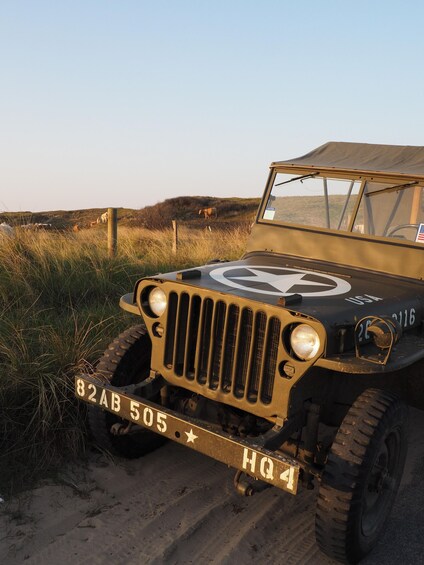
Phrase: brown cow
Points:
(208, 212)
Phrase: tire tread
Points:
(125, 357)
(346, 470)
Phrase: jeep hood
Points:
(335, 295)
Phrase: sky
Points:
(126, 103)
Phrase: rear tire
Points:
(126, 361)
(361, 476)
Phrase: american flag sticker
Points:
(420, 234)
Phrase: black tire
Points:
(126, 361)
(361, 476)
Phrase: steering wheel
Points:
(395, 229)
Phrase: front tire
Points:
(126, 361)
(361, 476)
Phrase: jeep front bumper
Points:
(242, 454)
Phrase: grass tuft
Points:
(59, 297)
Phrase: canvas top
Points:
(367, 158)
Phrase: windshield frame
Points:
(399, 182)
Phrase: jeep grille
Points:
(222, 347)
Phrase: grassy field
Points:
(59, 295)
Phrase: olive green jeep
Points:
(294, 364)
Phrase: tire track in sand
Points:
(178, 507)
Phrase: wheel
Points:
(362, 475)
(126, 361)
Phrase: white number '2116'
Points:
(405, 317)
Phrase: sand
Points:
(177, 506)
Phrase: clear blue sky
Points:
(129, 102)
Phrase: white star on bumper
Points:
(190, 436)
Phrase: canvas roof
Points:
(404, 160)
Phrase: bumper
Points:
(256, 461)
(127, 303)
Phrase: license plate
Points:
(269, 466)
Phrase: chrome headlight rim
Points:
(305, 342)
(155, 301)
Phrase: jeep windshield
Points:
(362, 206)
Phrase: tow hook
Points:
(246, 488)
(119, 429)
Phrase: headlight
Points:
(305, 341)
(157, 301)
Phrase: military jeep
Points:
(294, 364)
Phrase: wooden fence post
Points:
(175, 237)
(112, 231)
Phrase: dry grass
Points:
(59, 309)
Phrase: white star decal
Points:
(283, 283)
(190, 436)
(279, 281)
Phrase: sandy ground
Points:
(176, 506)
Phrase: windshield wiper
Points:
(392, 188)
(297, 178)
